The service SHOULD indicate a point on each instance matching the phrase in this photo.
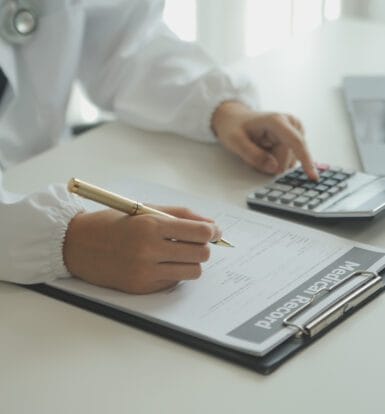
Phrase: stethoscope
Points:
(18, 21)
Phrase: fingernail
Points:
(270, 166)
(315, 173)
(217, 233)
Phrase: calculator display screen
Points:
(370, 197)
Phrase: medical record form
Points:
(247, 292)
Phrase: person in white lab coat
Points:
(132, 64)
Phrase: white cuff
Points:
(220, 87)
(55, 262)
(33, 230)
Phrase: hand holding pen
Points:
(138, 254)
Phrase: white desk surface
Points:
(55, 358)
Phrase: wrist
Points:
(71, 243)
(225, 114)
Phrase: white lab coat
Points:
(130, 64)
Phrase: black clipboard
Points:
(303, 337)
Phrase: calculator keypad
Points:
(297, 190)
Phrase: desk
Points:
(55, 358)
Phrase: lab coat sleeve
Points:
(134, 66)
(32, 233)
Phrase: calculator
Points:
(339, 193)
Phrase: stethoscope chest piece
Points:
(17, 21)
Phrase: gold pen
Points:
(112, 200)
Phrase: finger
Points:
(293, 161)
(186, 213)
(174, 272)
(290, 160)
(155, 286)
(296, 123)
(181, 252)
(255, 156)
(163, 276)
(189, 230)
(284, 156)
(273, 147)
(289, 135)
(265, 142)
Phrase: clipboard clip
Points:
(371, 285)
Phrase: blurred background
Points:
(230, 30)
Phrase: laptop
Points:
(365, 100)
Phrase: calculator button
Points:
(333, 190)
(301, 201)
(261, 192)
(298, 191)
(293, 174)
(284, 180)
(326, 174)
(288, 198)
(294, 182)
(321, 188)
(322, 166)
(309, 185)
(274, 195)
(314, 203)
(311, 194)
(342, 186)
(279, 187)
(348, 172)
(340, 177)
(324, 196)
(303, 177)
(330, 183)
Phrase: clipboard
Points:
(303, 334)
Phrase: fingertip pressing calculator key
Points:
(339, 193)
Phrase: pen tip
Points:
(224, 243)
